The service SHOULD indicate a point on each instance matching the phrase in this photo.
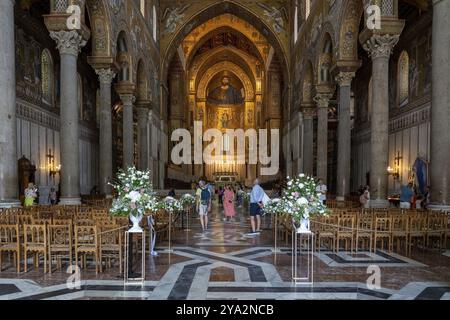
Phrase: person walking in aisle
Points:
(228, 203)
(256, 204)
(205, 203)
(321, 189)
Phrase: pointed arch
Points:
(47, 78)
(215, 9)
(403, 79)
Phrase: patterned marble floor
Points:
(226, 263)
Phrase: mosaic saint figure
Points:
(225, 94)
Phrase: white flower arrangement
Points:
(171, 204)
(300, 198)
(187, 200)
(135, 194)
(274, 206)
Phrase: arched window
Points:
(47, 77)
(80, 95)
(307, 8)
(403, 79)
(296, 23)
(142, 5)
(155, 23)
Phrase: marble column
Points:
(69, 45)
(105, 157)
(143, 119)
(128, 130)
(380, 48)
(322, 101)
(440, 115)
(308, 141)
(9, 193)
(344, 80)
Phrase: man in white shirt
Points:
(321, 189)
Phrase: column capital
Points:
(68, 42)
(308, 111)
(323, 100)
(105, 76)
(381, 46)
(344, 79)
(128, 99)
(143, 113)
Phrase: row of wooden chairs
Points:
(55, 242)
(373, 229)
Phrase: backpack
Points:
(205, 196)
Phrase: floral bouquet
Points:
(301, 200)
(274, 206)
(135, 194)
(187, 200)
(171, 205)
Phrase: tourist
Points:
(256, 197)
(53, 196)
(321, 189)
(364, 199)
(239, 196)
(228, 203)
(221, 193)
(94, 191)
(204, 206)
(406, 195)
(30, 195)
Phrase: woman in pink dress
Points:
(228, 203)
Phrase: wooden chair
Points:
(86, 243)
(99, 214)
(59, 244)
(417, 231)
(10, 243)
(345, 231)
(62, 221)
(383, 232)
(121, 221)
(35, 242)
(84, 222)
(400, 230)
(111, 248)
(326, 232)
(364, 231)
(436, 227)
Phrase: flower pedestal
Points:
(135, 220)
(302, 271)
(130, 274)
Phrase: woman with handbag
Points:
(228, 203)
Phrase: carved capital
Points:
(322, 100)
(68, 42)
(128, 99)
(344, 79)
(143, 113)
(381, 46)
(105, 76)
